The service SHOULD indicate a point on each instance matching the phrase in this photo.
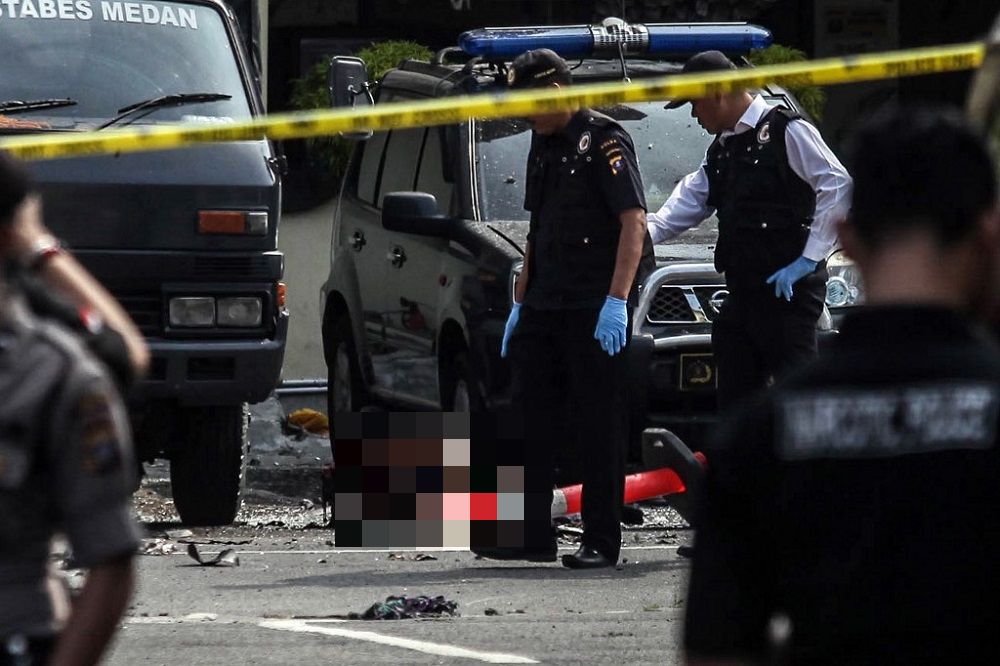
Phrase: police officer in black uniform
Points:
(66, 466)
(778, 192)
(568, 332)
(852, 515)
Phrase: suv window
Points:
(112, 54)
(431, 177)
(669, 144)
(371, 160)
(401, 157)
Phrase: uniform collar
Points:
(577, 125)
(757, 109)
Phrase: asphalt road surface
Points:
(289, 599)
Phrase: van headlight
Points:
(192, 311)
(222, 311)
(843, 287)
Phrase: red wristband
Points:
(41, 252)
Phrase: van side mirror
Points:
(347, 84)
(414, 213)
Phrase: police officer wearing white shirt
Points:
(778, 192)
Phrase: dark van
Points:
(185, 239)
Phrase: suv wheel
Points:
(345, 392)
(458, 393)
(207, 469)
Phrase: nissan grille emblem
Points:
(717, 299)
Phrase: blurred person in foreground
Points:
(66, 468)
(850, 515)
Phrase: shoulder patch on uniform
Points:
(584, 143)
(99, 436)
(764, 133)
(856, 424)
(617, 164)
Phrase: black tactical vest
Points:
(576, 246)
(764, 207)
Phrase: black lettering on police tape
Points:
(359, 123)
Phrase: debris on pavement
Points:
(217, 542)
(179, 534)
(491, 611)
(400, 608)
(158, 547)
(419, 557)
(226, 558)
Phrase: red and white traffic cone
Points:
(638, 487)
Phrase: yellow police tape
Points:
(457, 109)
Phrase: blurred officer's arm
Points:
(90, 453)
(686, 207)
(96, 613)
(22, 240)
(813, 161)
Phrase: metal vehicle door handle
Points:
(397, 257)
(358, 240)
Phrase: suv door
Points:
(418, 277)
(365, 243)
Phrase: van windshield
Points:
(108, 54)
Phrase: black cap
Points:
(706, 61)
(15, 185)
(539, 67)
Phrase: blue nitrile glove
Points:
(508, 329)
(789, 275)
(611, 325)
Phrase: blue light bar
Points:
(582, 41)
(733, 38)
(508, 43)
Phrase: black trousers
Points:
(565, 387)
(757, 336)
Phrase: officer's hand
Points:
(789, 275)
(611, 325)
(508, 329)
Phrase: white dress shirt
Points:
(810, 159)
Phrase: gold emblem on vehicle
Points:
(701, 373)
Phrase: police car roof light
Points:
(582, 41)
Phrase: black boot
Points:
(586, 558)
